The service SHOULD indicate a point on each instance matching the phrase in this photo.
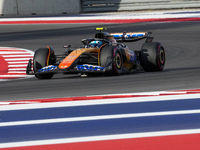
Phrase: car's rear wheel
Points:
(111, 59)
(43, 57)
(152, 56)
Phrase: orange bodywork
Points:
(69, 60)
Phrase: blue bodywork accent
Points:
(90, 68)
(128, 35)
(47, 68)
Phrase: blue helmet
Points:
(96, 44)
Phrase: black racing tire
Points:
(111, 58)
(152, 57)
(43, 57)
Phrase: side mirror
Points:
(66, 46)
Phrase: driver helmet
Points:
(96, 44)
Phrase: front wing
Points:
(85, 68)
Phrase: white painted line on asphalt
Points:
(102, 117)
(100, 102)
(16, 59)
(16, 69)
(17, 62)
(31, 56)
(121, 16)
(16, 72)
(3, 76)
(17, 52)
(147, 93)
(17, 65)
(100, 138)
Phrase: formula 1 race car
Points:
(105, 53)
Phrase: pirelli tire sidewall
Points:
(152, 56)
(111, 59)
(42, 58)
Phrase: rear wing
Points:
(132, 36)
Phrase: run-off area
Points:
(165, 122)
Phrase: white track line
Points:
(31, 56)
(4, 53)
(100, 138)
(122, 16)
(17, 69)
(102, 117)
(98, 102)
(17, 65)
(19, 62)
(16, 72)
(18, 76)
(21, 59)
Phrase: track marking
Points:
(15, 59)
(22, 56)
(162, 16)
(63, 142)
(36, 104)
(100, 138)
(90, 118)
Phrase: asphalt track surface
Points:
(182, 69)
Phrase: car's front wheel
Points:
(43, 57)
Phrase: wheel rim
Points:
(118, 61)
(162, 56)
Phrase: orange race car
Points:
(105, 53)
